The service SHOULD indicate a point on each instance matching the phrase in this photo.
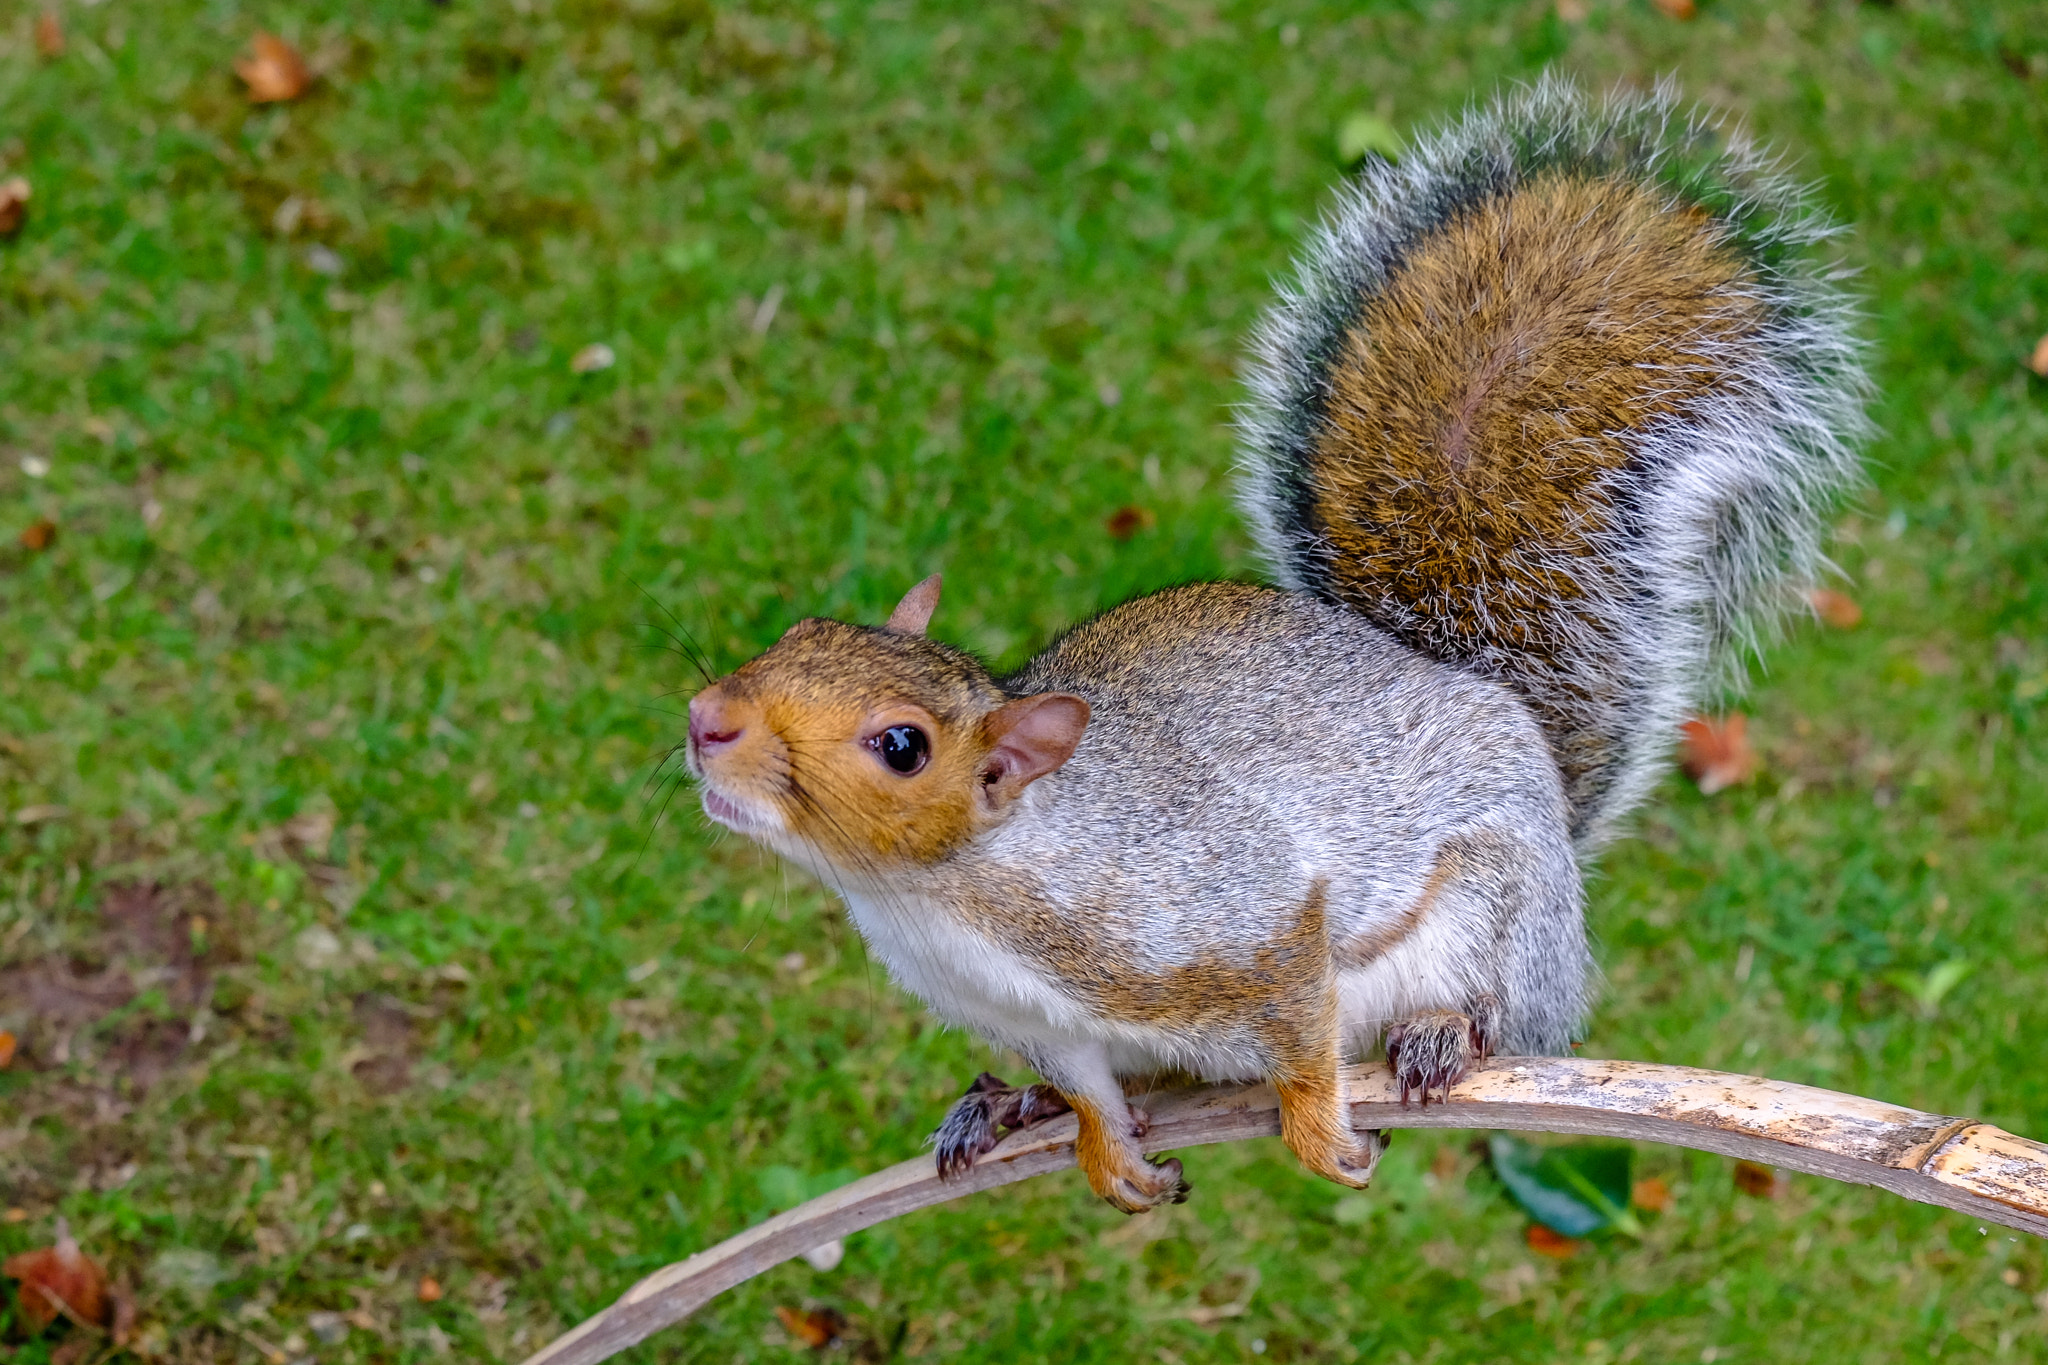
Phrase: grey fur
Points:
(1729, 502)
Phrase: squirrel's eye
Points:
(903, 747)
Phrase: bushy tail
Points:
(1563, 397)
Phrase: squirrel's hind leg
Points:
(1435, 1050)
(972, 1126)
(1514, 888)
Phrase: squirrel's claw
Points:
(972, 1126)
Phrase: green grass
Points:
(347, 628)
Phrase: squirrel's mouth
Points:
(743, 817)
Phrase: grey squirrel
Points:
(1543, 430)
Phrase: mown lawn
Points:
(353, 930)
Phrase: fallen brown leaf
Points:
(40, 536)
(59, 1278)
(2038, 361)
(49, 35)
(1759, 1181)
(1716, 753)
(1838, 609)
(7, 1046)
(1556, 1245)
(817, 1328)
(430, 1290)
(1573, 11)
(1651, 1195)
(1676, 9)
(1126, 522)
(274, 71)
(14, 193)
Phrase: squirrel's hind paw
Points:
(972, 1125)
(1435, 1050)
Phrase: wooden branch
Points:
(1956, 1163)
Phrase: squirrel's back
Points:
(1559, 397)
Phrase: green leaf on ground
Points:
(1575, 1190)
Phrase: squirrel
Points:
(1539, 437)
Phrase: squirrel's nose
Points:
(712, 720)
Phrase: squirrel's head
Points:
(865, 750)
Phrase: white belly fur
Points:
(992, 991)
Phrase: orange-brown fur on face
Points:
(1480, 398)
(805, 706)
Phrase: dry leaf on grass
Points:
(1759, 1181)
(1838, 609)
(1716, 752)
(1126, 522)
(7, 1046)
(58, 1278)
(274, 71)
(1574, 11)
(1556, 1245)
(430, 1290)
(2038, 361)
(49, 35)
(816, 1328)
(14, 193)
(1651, 1195)
(40, 536)
(1676, 9)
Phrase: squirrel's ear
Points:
(1033, 736)
(914, 612)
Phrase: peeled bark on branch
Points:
(1957, 1163)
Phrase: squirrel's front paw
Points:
(1145, 1186)
(1355, 1168)
(1436, 1050)
(1349, 1159)
(972, 1126)
(1108, 1152)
